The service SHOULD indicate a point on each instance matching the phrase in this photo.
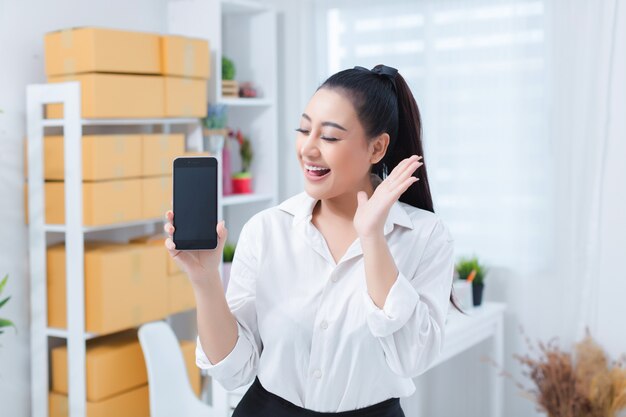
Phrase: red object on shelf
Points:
(242, 185)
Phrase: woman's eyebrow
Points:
(331, 124)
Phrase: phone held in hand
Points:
(195, 202)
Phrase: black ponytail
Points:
(384, 103)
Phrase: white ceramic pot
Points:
(226, 274)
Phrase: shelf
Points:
(245, 198)
(245, 102)
(127, 122)
(61, 228)
(241, 7)
(62, 333)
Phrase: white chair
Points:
(171, 394)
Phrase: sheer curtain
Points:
(522, 104)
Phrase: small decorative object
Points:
(216, 117)
(230, 87)
(214, 130)
(227, 181)
(582, 383)
(227, 257)
(247, 90)
(4, 323)
(463, 293)
(242, 181)
(471, 270)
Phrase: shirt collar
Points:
(301, 207)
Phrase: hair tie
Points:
(382, 70)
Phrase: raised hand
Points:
(370, 216)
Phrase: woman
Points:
(338, 296)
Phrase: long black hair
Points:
(384, 103)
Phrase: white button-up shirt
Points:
(307, 325)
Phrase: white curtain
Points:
(589, 146)
(522, 104)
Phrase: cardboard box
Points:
(125, 286)
(185, 97)
(188, 348)
(104, 157)
(180, 295)
(172, 267)
(159, 151)
(133, 403)
(115, 96)
(114, 364)
(185, 57)
(80, 50)
(104, 202)
(156, 196)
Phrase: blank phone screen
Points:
(195, 207)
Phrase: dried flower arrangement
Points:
(578, 384)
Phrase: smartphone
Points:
(195, 202)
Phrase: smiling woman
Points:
(348, 303)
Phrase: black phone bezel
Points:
(191, 162)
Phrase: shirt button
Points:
(317, 374)
(324, 325)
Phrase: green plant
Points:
(466, 265)
(245, 151)
(228, 69)
(4, 322)
(229, 252)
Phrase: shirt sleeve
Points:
(239, 367)
(410, 326)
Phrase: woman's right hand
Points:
(199, 264)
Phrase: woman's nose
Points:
(309, 146)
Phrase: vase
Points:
(227, 183)
(226, 275)
(477, 293)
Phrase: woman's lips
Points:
(312, 177)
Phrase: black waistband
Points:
(390, 407)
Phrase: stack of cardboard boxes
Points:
(130, 74)
(116, 377)
(126, 177)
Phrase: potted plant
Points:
(227, 257)
(230, 87)
(473, 271)
(5, 322)
(242, 181)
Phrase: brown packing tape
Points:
(136, 265)
(189, 59)
(67, 42)
(164, 142)
(67, 38)
(187, 106)
(137, 315)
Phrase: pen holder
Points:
(463, 293)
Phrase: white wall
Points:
(22, 27)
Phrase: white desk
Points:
(463, 332)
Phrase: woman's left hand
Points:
(371, 214)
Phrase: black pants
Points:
(258, 402)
